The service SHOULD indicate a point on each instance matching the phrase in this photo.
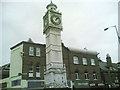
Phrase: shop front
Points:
(79, 84)
(96, 85)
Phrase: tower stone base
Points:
(55, 77)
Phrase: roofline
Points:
(69, 48)
(16, 45)
(83, 51)
(24, 42)
(5, 65)
(106, 62)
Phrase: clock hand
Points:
(56, 19)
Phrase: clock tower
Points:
(55, 71)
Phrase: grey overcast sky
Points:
(83, 24)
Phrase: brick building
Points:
(83, 67)
(28, 63)
(110, 73)
(4, 74)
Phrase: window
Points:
(30, 74)
(77, 75)
(86, 76)
(4, 85)
(75, 60)
(94, 76)
(116, 80)
(84, 61)
(37, 51)
(31, 69)
(92, 61)
(110, 68)
(16, 82)
(37, 70)
(37, 74)
(31, 51)
(34, 84)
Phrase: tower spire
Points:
(51, 6)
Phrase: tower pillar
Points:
(55, 71)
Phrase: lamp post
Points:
(118, 39)
(116, 32)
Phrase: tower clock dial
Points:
(55, 19)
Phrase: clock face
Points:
(55, 19)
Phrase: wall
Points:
(34, 59)
(71, 68)
(16, 61)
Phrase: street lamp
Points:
(116, 32)
(118, 39)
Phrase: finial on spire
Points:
(51, 6)
(51, 1)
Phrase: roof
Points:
(4, 71)
(29, 41)
(6, 66)
(103, 66)
(83, 51)
(51, 4)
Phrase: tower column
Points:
(55, 72)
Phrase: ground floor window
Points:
(32, 84)
(3, 85)
(16, 82)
